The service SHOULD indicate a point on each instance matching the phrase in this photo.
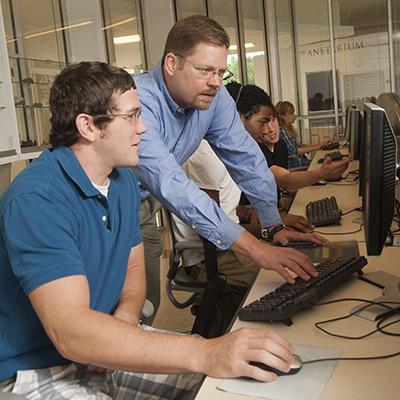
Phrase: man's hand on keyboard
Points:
(279, 259)
(325, 143)
(298, 223)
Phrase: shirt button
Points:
(193, 226)
(218, 241)
(104, 218)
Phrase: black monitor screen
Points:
(347, 122)
(355, 132)
(379, 177)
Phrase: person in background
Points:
(297, 150)
(184, 101)
(260, 119)
(316, 103)
(72, 266)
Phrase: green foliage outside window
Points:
(233, 66)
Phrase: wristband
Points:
(270, 235)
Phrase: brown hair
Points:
(285, 108)
(188, 32)
(87, 87)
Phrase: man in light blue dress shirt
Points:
(183, 101)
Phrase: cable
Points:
(379, 328)
(353, 358)
(344, 233)
(354, 209)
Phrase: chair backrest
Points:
(177, 278)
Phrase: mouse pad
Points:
(307, 384)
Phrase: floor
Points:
(168, 316)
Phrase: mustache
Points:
(209, 93)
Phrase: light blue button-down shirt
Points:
(173, 136)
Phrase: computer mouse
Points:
(295, 366)
(321, 160)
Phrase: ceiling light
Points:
(58, 29)
(126, 39)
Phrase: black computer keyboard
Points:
(287, 299)
(334, 179)
(335, 155)
(331, 146)
(323, 212)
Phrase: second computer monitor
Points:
(347, 122)
(355, 132)
(379, 177)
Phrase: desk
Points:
(378, 379)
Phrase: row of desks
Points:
(376, 379)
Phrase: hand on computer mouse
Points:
(295, 366)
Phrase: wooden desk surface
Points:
(377, 379)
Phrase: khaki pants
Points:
(239, 270)
(153, 248)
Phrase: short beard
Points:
(202, 104)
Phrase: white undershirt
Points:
(103, 189)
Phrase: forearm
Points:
(107, 342)
(296, 180)
(133, 293)
(308, 148)
(248, 245)
(132, 298)
(87, 336)
(102, 340)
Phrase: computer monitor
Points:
(347, 122)
(379, 177)
(390, 102)
(378, 190)
(355, 132)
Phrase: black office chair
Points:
(177, 279)
(214, 302)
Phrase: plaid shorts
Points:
(75, 381)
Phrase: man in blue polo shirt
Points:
(72, 268)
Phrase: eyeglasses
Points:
(132, 117)
(210, 73)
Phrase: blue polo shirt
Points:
(54, 224)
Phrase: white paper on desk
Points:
(307, 384)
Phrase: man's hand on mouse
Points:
(232, 353)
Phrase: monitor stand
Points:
(391, 294)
